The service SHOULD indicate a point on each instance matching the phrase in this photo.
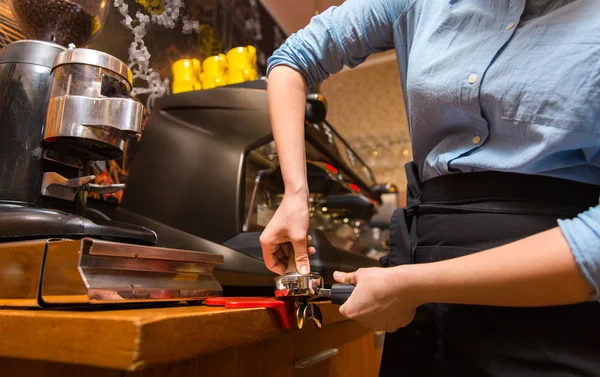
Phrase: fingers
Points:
(276, 258)
(345, 277)
(271, 252)
(300, 245)
(275, 265)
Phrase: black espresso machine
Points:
(206, 169)
(61, 109)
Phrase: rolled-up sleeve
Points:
(583, 235)
(340, 36)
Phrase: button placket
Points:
(475, 80)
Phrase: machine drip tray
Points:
(65, 272)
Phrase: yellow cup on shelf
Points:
(186, 75)
(214, 71)
(242, 64)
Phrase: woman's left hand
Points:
(382, 300)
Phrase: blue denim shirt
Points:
(505, 85)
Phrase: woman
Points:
(494, 267)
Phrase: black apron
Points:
(460, 214)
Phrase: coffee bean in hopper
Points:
(56, 21)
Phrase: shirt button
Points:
(476, 140)
(510, 26)
(472, 78)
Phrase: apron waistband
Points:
(458, 214)
(491, 186)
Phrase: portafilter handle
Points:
(338, 294)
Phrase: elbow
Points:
(288, 78)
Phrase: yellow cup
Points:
(182, 86)
(242, 64)
(214, 71)
(186, 75)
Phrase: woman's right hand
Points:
(288, 225)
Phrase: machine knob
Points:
(316, 108)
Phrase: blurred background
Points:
(365, 103)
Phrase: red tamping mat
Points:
(282, 309)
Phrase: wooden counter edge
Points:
(155, 348)
(189, 338)
(136, 338)
(68, 339)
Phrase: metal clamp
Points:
(56, 186)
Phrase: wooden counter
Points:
(179, 341)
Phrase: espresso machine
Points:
(62, 110)
(206, 170)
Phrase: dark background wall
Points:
(223, 24)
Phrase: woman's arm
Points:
(287, 102)
(556, 267)
(540, 270)
(343, 35)
(583, 236)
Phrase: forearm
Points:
(287, 106)
(539, 270)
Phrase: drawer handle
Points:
(379, 339)
(316, 358)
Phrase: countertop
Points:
(129, 339)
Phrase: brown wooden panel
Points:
(270, 358)
(358, 357)
(34, 368)
(79, 338)
(275, 357)
(131, 339)
(176, 338)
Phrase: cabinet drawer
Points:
(344, 349)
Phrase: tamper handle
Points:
(340, 293)
(291, 267)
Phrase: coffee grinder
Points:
(62, 109)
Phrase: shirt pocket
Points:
(557, 81)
